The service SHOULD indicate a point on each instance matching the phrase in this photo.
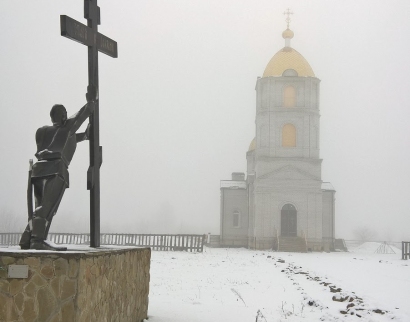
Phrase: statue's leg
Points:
(25, 237)
(51, 190)
(54, 211)
(38, 195)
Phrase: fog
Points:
(177, 107)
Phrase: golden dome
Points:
(288, 58)
(287, 34)
(252, 146)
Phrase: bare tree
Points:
(365, 234)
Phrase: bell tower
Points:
(283, 203)
(284, 168)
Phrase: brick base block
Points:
(97, 285)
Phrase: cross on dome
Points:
(287, 34)
(288, 58)
(288, 13)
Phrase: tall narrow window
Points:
(289, 96)
(264, 136)
(236, 219)
(315, 137)
(289, 135)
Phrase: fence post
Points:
(202, 244)
(402, 250)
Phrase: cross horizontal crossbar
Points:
(79, 32)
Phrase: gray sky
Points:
(177, 108)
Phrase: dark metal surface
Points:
(48, 178)
(30, 192)
(89, 36)
(79, 32)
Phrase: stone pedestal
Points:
(105, 284)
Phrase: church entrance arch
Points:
(288, 221)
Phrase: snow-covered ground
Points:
(235, 285)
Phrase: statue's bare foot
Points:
(43, 245)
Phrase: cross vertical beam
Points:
(92, 14)
(89, 36)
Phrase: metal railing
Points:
(352, 244)
(9, 239)
(161, 242)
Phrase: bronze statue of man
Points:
(49, 177)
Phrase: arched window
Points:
(236, 221)
(289, 96)
(290, 72)
(289, 135)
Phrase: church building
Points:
(282, 202)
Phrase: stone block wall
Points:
(103, 285)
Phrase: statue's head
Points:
(58, 114)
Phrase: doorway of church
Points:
(288, 221)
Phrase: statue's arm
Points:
(43, 140)
(77, 119)
(39, 136)
(79, 137)
(84, 135)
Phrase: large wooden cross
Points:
(89, 36)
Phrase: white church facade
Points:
(282, 202)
